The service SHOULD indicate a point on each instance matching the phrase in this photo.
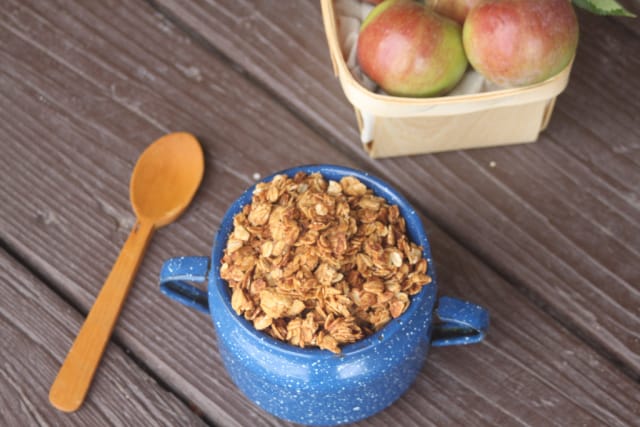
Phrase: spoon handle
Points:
(74, 378)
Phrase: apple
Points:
(520, 42)
(454, 9)
(409, 50)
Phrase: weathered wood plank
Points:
(67, 206)
(600, 91)
(37, 329)
(630, 23)
(282, 44)
(557, 354)
(560, 218)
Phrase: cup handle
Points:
(461, 322)
(174, 274)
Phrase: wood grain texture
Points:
(71, 139)
(559, 218)
(630, 23)
(37, 328)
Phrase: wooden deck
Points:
(545, 235)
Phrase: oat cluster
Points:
(317, 263)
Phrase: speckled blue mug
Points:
(312, 386)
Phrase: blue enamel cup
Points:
(312, 386)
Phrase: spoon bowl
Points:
(163, 182)
(166, 177)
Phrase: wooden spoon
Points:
(163, 183)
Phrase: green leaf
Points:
(603, 7)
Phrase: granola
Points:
(317, 263)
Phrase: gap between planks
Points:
(114, 339)
(207, 46)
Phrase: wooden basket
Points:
(403, 126)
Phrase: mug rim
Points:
(423, 300)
